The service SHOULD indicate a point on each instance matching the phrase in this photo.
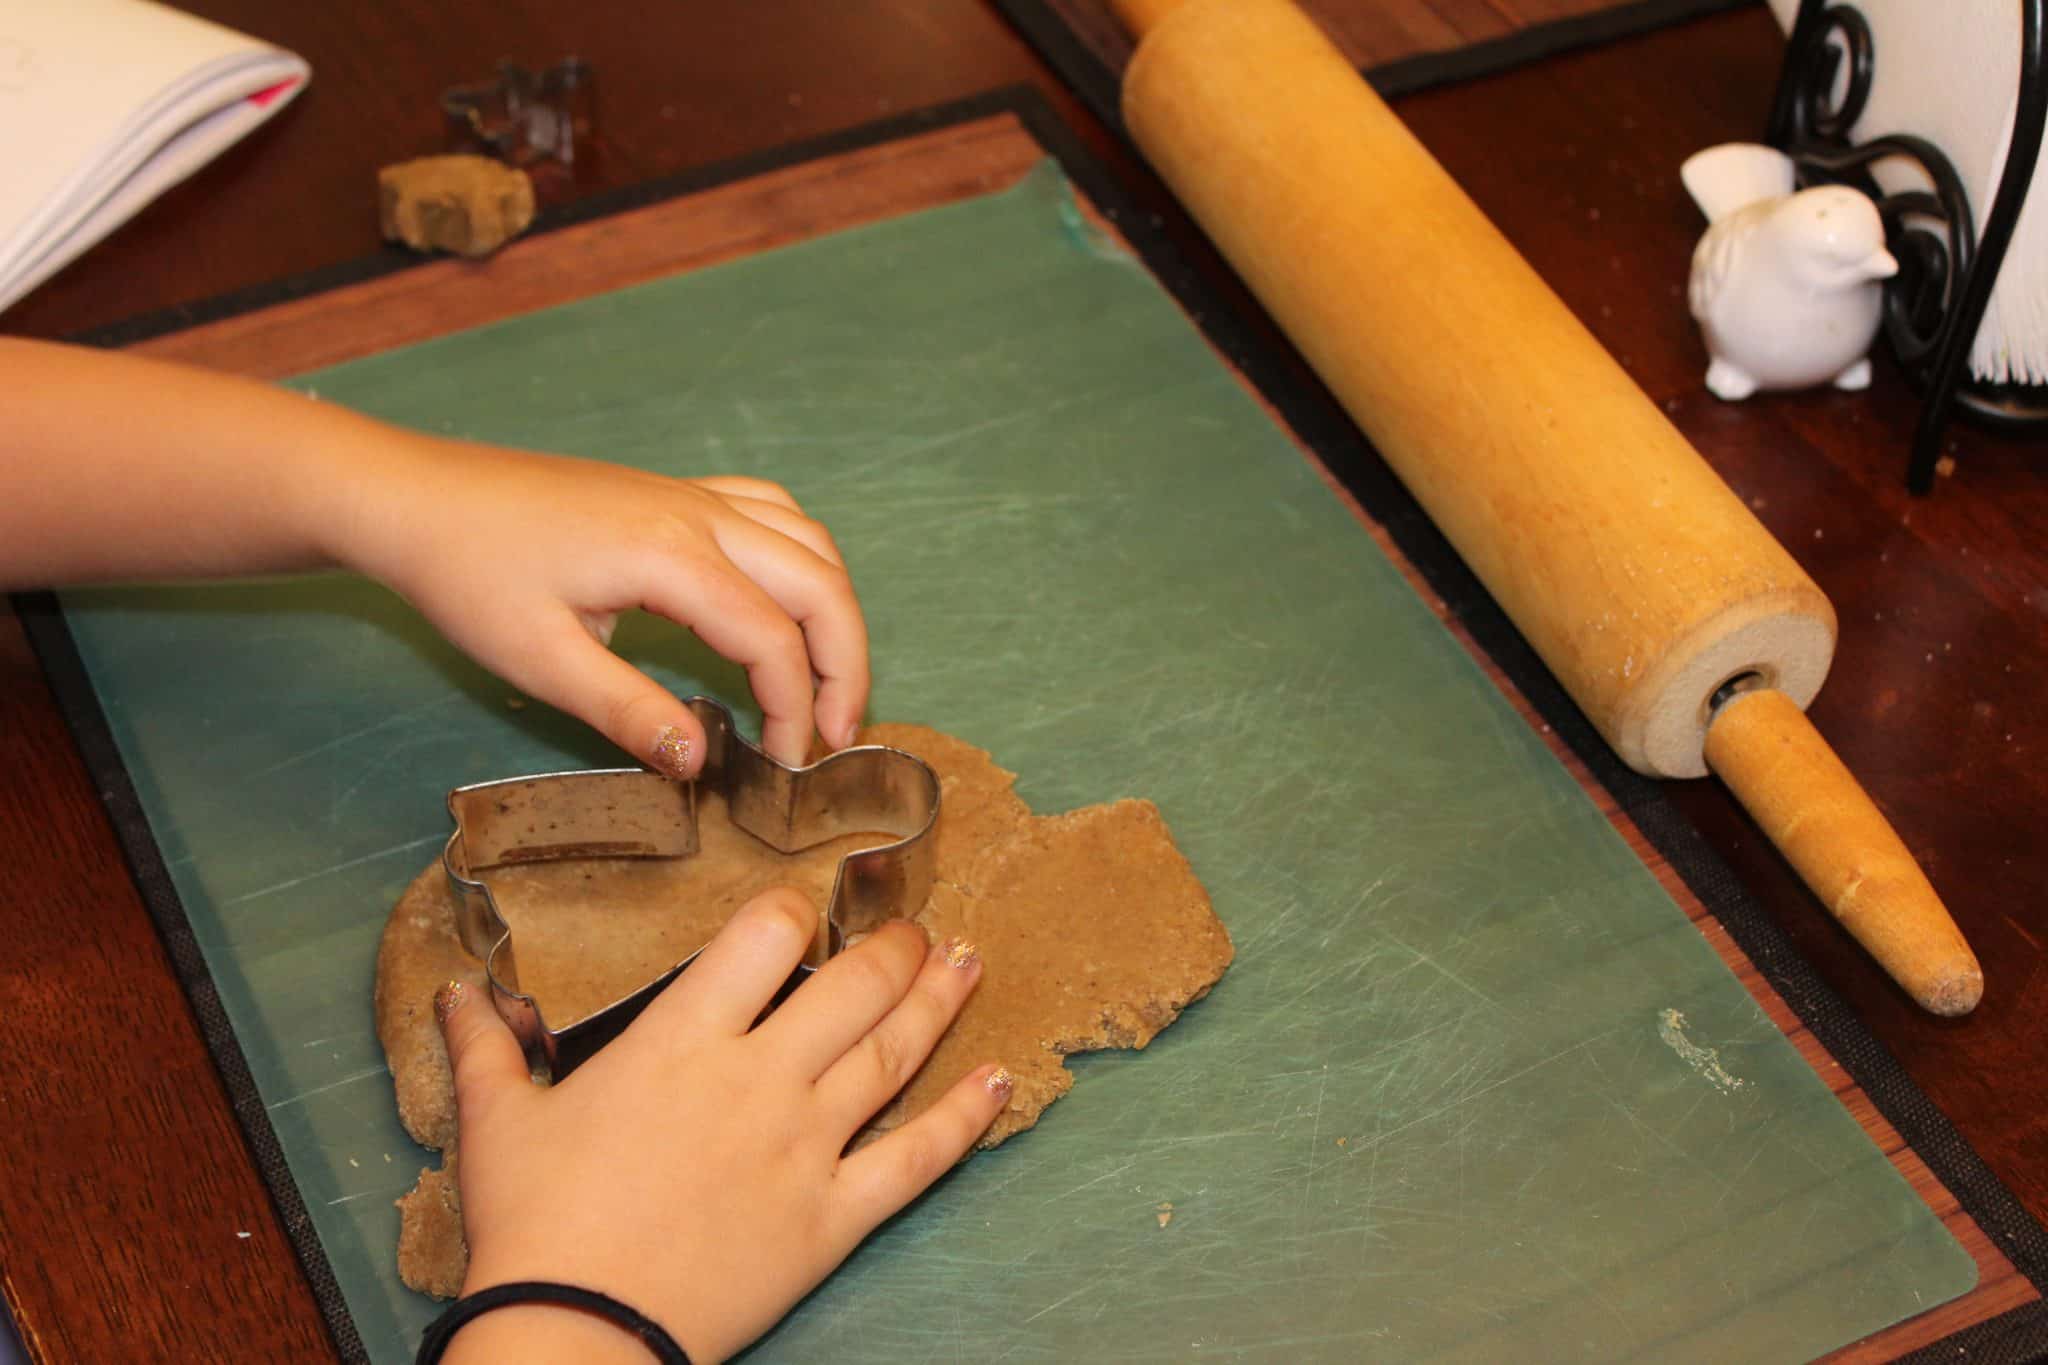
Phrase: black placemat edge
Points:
(42, 619)
(1315, 417)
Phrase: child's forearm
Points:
(113, 467)
(116, 467)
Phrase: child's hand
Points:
(693, 1169)
(525, 561)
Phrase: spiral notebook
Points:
(125, 99)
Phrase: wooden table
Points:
(115, 1135)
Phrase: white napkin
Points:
(105, 104)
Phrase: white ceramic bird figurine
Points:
(1788, 288)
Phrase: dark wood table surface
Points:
(124, 1181)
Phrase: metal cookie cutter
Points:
(524, 117)
(631, 813)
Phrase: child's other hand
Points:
(525, 562)
(692, 1169)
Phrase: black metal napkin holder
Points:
(1936, 302)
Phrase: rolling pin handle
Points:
(1799, 793)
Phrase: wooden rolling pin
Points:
(1682, 628)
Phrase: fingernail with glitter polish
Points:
(671, 756)
(1000, 1083)
(961, 953)
(449, 999)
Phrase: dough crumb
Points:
(470, 205)
(1704, 1060)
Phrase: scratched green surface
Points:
(1439, 1108)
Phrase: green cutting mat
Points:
(1441, 1106)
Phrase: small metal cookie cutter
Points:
(524, 117)
(632, 813)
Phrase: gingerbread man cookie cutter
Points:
(524, 117)
(633, 813)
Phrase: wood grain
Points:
(1371, 33)
(678, 86)
(1935, 704)
(757, 214)
(130, 1208)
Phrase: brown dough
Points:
(1092, 926)
(432, 1256)
(470, 205)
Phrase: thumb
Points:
(481, 1050)
(573, 672)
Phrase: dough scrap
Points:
(470, 205)
(1093, 927)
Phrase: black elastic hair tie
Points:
(651, 1333)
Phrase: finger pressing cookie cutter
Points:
(632, 813)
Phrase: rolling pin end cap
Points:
(1955, 992)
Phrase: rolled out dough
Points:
(1094, 931)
